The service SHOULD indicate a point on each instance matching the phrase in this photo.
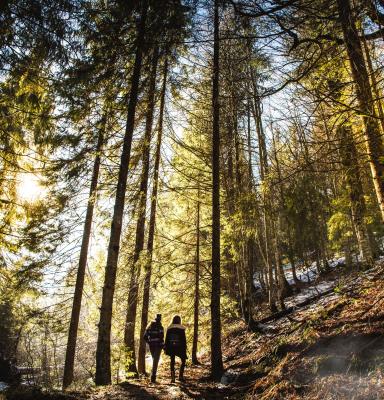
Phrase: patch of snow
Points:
(308, 293)
(304, 274)
(336, 262)
(307, 275)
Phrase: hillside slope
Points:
(331, 349)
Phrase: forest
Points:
(217, 160)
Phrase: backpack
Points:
(174, 340)
(154, 334)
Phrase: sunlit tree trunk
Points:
(231, 266)
(77, 298)
(375, 148)
(293, 264)
(375, 87)
(130, 321)
(151, 226)
(265, 198)
(196, 300)
(216, 355)
(349, 159)
(103, 351)
(284, 287)
(251, 243)
(241, 264)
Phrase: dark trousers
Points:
(155, 353)
(182, 366)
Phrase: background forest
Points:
(191, 157)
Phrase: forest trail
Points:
(196, 386)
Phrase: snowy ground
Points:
(308, 275)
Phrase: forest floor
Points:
(332, 348)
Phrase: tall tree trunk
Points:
(77, 298)
(197, 289)
(216, 355)
(291, 258)
(237, 161)
(44, 360)
(130, 321)
(263, 161)
(349, 160)
(271, 281)
(285, 289)
(249, 302)
(103, 351)
(230, 265)
(375, 148)
(249, 143)
(374, 83)
(151, 227)
(241, 263)
(251, 245)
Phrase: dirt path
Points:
(197, 386)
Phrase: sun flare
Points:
(29, 188)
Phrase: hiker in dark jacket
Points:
(154, 336)
(176, 345)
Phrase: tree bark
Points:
(103, 351)
(77, 298)
(350, 163)
(375, 148)
(285, 289)
(249, 143)
(216, 355)
(197, 289)
(151, 227)
(230, 265)
(374, 83)
(130, 321)
(263, 161)
(291, 258)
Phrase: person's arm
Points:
(184, 343)
(166, 344)
(146, 333)
(162, 336)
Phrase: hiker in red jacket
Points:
(176, 345)
(154, 336)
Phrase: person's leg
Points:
(173, 377)
(152, 351)
(156, 357)
(182, 368)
